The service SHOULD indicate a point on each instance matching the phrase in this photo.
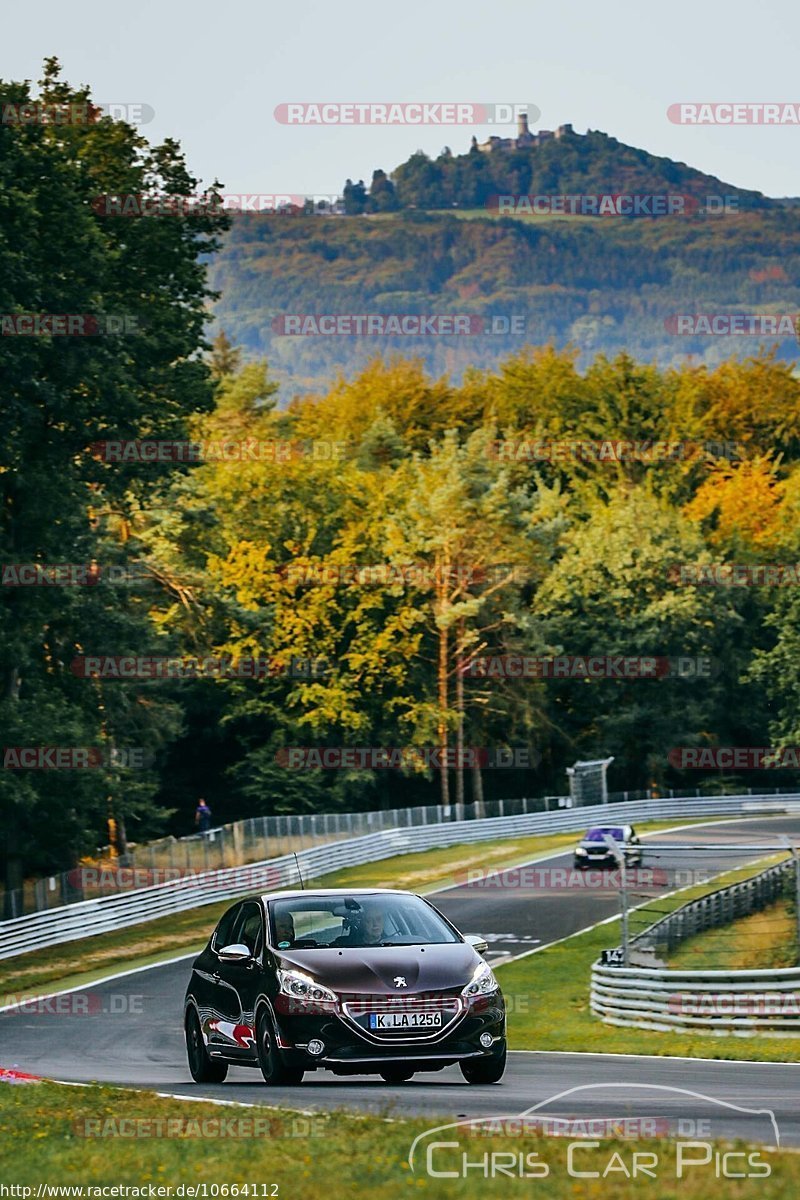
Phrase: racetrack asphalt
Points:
(128, 1030)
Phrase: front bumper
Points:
(350, 1047)
(603, 859)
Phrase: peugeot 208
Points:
(355, 982)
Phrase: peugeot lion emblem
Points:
(399, 981)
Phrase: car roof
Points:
(310, 893)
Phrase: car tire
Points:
(273, 1068)
(485, 1070)
(203, 1068)
(580, 866)
(396, 1075)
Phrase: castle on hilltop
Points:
(524, 138)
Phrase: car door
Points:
(238, 981)
(212, 997)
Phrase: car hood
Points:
(374, 969)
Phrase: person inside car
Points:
(284, 928)
(366, 929)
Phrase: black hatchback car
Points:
(354, 982)
(594, 849)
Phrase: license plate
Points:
(405, 1020)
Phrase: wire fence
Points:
(723, 908)
(259, 838)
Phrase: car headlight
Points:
(579, 850)
(482, 983)
(303, 987)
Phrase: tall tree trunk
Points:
(442, 577)
(460, 711)
(477, 788)
(14, 872)
(444, 776)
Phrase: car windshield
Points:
(603, 831)
(361, 919)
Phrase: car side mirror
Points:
(479, 944)
(235, 953)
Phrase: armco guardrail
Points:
(712, 1002)
(720, 1003)
(122, 910)
(256, 839)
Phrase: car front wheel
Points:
(273, 1068)
(204, 1069)
(485, 1070)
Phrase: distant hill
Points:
(600, 284)
(566, 164)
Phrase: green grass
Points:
(313, 1157)
(181, 933)
(548, 994)
(764, 941)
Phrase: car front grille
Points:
(357, 1011)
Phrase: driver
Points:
(366, 929)
(284, 926)
(372, 924)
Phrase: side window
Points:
(248, 928)
(222, 934)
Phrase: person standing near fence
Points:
(202, 816)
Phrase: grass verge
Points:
(101, 1137)
(765, 940)
(548, 995)
(79, 963)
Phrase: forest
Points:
(208, 590)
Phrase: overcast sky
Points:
(215, 72)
